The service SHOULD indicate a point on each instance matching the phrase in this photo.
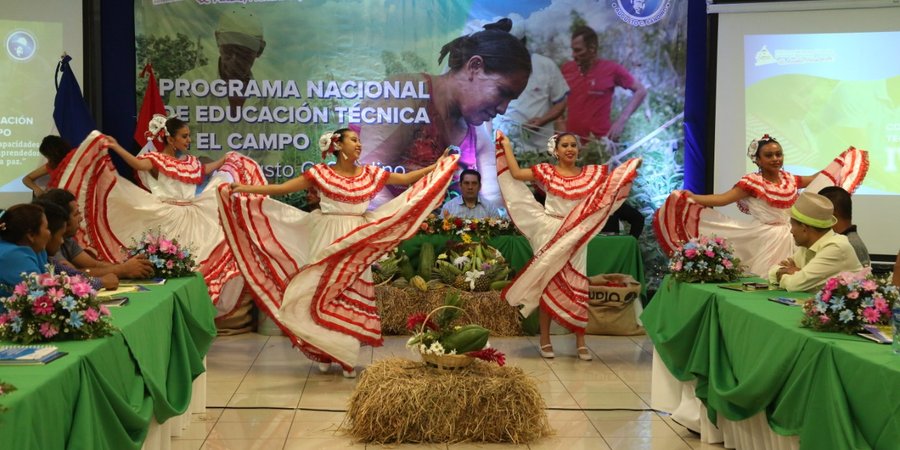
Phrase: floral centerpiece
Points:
(849, 301)
(447, 346)
(484, 228)
(168, 258)
(705, 259)
(49, 306)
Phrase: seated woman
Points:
(766, 196)
(118, 212)
(58, 152)
(310, 271)
(57, 223)
(23, 241)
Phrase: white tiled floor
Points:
(262, 394)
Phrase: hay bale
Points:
(398, 400)
(396, 304)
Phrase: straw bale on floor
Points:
(401, 401)
(396, 304)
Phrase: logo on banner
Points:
(21, 45)
(640, 13)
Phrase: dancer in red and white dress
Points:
(311, 272)
(767, 196)
(117, 212)
(579, 202)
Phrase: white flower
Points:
(472, 276)
(436, 348)
(461, 261)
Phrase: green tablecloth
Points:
(105, 392)
(606, 254)
(749, 355)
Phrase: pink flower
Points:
(165, 246)
(45, 279)
(56, 293)
(180, 255)
(881, 305)
(42, 306)
(710, 253)
(869, 285)
(690, 253)
(831, 284)
(104, 310)
(151, 249)
(48, 330)
(871, 314)
(91, 315)
(80, 289)
(704, 240)
(4, 318)
(824, 319)
(20, 289)
(170, 264)
(678, 265)
(424, 226)
(727, 263)
(720, 241)
(826, 295)
(853, 294)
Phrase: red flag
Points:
(152, 104)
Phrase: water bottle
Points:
(895, 325)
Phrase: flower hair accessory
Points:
(157, 124)
(551, 144)
(756, 143)
(329, 142)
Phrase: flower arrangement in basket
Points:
(705, 259)
(849, 301)
(168, 258)
(449, 347)
(51, 306)
(472, 266)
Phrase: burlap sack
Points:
(611, 303)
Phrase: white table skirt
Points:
(677, 398)
(159, 436)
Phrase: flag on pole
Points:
(152, 104)
(70, 112)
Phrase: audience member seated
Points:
(822, 253)
(136, 267)
(23, 242)
(843, 211)
(470, 205)
(57, 223)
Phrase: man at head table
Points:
(822, 253)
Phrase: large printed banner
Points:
(267, 78)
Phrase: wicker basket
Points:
(447, 362)
(444, 362)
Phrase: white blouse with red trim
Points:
(781, 195)
(358, 189)
(569, 188)
(187, 169)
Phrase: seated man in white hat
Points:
(822, 253)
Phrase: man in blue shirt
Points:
(469, 205)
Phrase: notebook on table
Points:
(14, 355)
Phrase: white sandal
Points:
(548, 354)
(586, 355)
